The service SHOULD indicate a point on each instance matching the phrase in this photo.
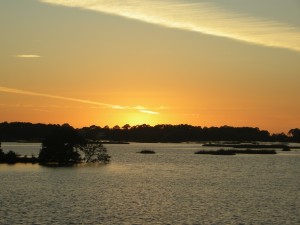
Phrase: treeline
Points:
(17, 131)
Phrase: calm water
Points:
(173, 186)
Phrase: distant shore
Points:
(144, 133)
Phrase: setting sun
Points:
(133, 118)
(149, 112)
(113, 63)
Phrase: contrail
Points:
(105, 105)
(27, 56)
(202, 17)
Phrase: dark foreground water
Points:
(173, 186)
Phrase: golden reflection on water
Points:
(21, 167)
(173, 186)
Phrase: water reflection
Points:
(173, 186)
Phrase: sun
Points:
(137, 118)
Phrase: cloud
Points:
(28, 56)
(203, 17)
(148, 111)
(103, 105)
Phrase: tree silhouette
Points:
(11, 157)
(126, 127)
(59, 147)
(94, 153)
(295, 134)
(145, 133)
(65, 147)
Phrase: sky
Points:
(100, 62)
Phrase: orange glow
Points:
(134, 118)
(109, 70)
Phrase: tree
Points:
(94, 153)
(11, 157)
(295, 134)
(126, 127)
(65, 146)
(117, 127)
(59, 147)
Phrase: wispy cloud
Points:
(203, 17)
(103, 105)
(148, 111)
(28, 56)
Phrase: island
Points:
(63, 147)
(235, 151)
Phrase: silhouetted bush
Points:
(218, 152)
(248, 146)
(11, 157)
(286, 148)
(146, 151)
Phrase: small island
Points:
(235, 151)
(11, 158)
(147, 151)
(63, 147)
(286, 149)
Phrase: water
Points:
(173, 186)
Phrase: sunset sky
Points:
(113, 62)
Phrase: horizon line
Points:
(158, 124)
